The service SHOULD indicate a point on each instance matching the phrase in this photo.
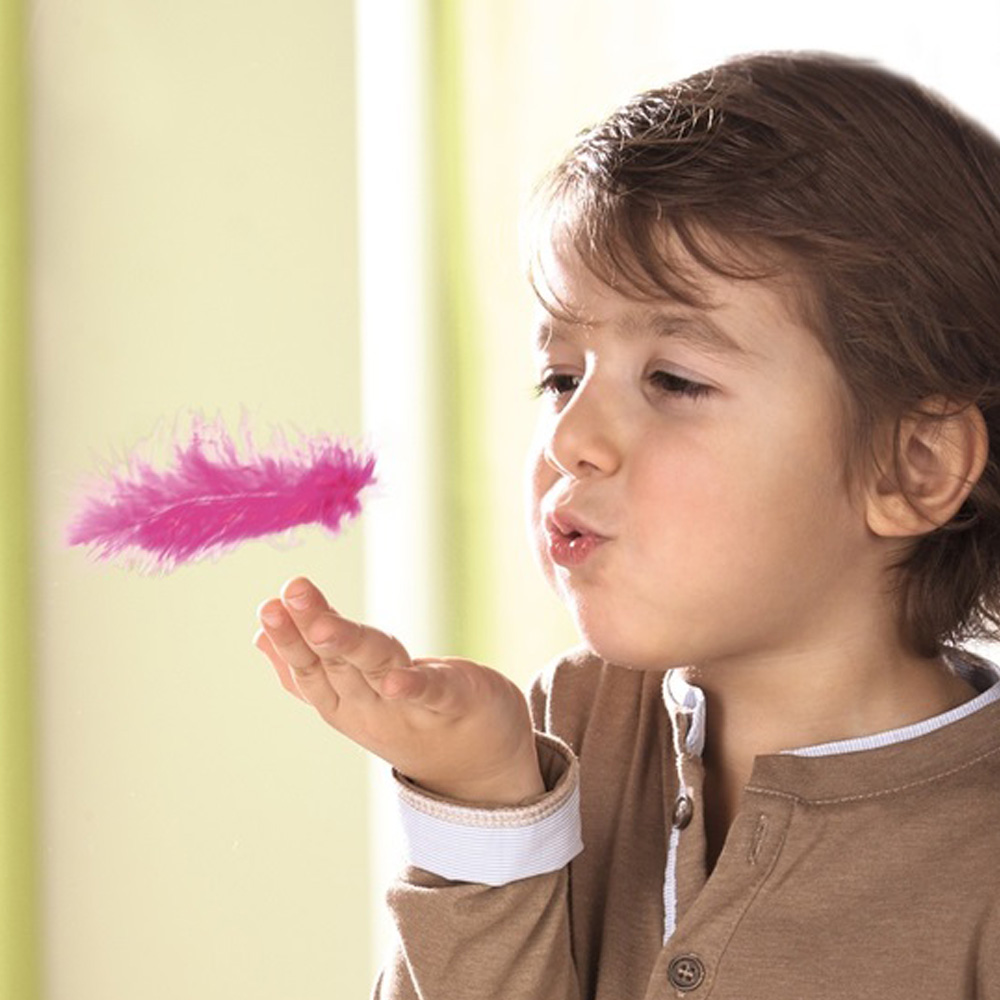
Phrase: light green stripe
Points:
(19, 946)
(468, 627)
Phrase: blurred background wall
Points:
(193, 248)
(307, 213)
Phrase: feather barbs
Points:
(213, 497)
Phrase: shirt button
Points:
(686, 973)
(683, 812)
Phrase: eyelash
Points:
(667, 382)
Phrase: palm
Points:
(453, 726)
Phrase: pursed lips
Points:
(571, 540)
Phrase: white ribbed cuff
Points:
(496, 846)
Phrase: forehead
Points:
(737, 319)
(696, 328)
(689, 281)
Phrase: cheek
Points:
(738, 493)
(673, 483)
(538, 478)
(791, 503)
(535, 483)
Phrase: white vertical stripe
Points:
(392, 109)
(670, 887)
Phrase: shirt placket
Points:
(701, 913)
(686, 872)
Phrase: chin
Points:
(622, 653)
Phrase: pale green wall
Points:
(18, 909)
(194, 246)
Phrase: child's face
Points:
(688, 493)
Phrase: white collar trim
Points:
(962, 664)
(684, 699)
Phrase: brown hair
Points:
(880, 199)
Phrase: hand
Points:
(454, 727)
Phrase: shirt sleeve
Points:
(479, 942)
(482, 909)
(497, 846)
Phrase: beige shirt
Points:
(873, 873)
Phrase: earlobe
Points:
(940, 455)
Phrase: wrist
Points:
(493, 843)
(513, 787)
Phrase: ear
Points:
(941, 452)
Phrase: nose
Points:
(582, 440)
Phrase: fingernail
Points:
(298, 601)
(272, 618)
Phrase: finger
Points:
(320, 628)
(371, 654)
(371, 651)
(283, 671)
(312, 638)
(336, 638)
(306, 670)
(303, 600)
(285, 636)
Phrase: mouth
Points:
(570, 543)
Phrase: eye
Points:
(557, 384)
(677, 385)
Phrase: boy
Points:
(766, 484)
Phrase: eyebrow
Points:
(697, 330)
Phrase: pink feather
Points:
(212, 499)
